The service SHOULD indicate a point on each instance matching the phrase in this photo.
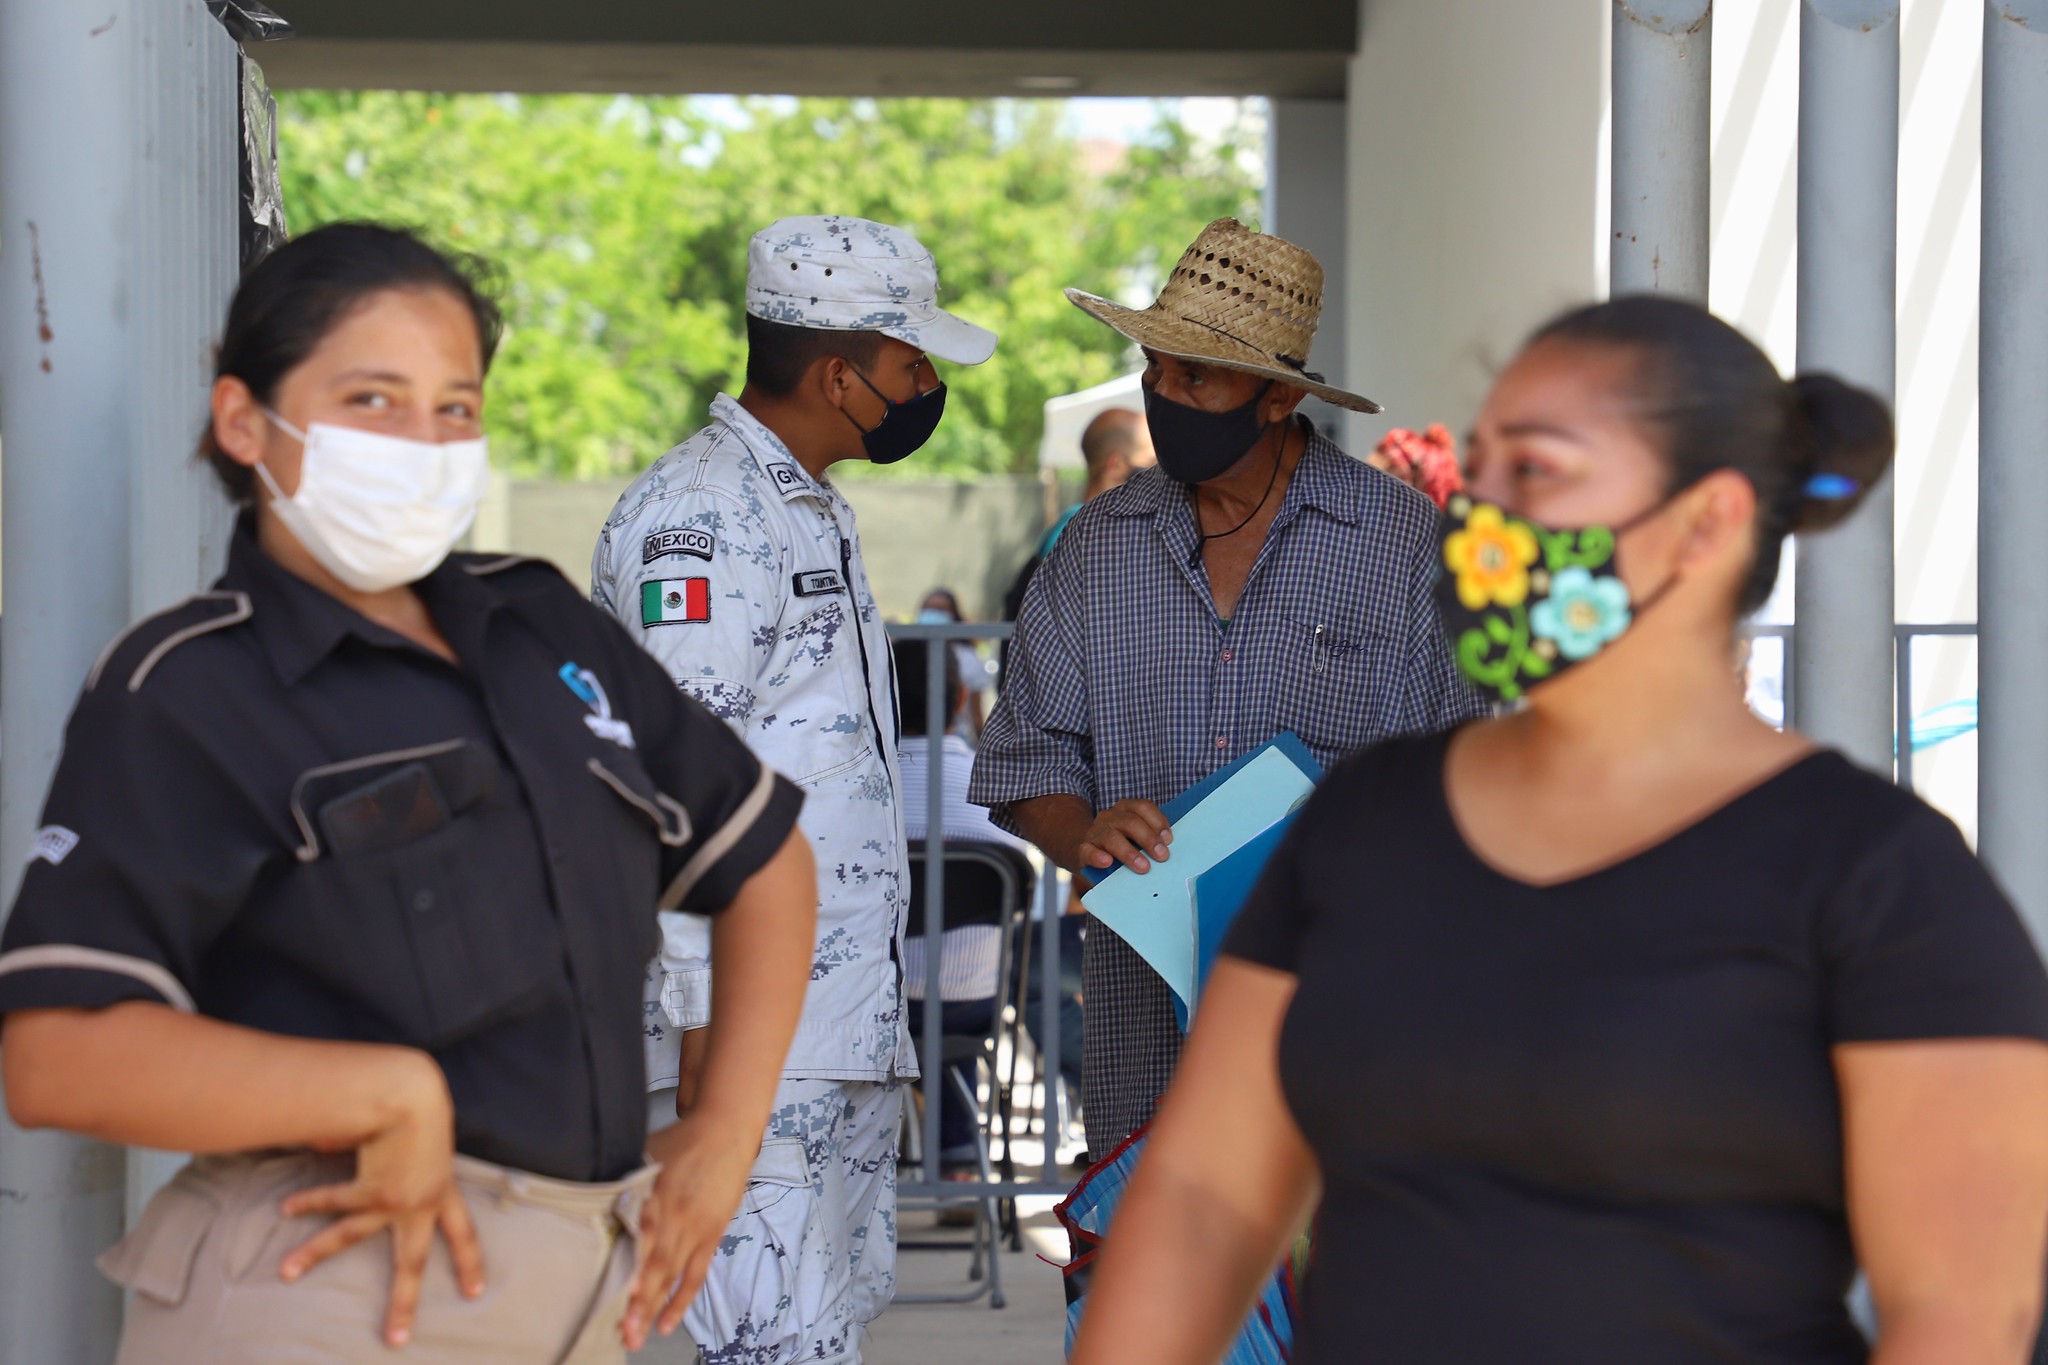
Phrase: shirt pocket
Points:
(815, 706)
(1337, 686)
(412, 915)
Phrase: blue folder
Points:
(1176, 920)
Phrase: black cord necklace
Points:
(1279, 458)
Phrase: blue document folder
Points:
(1225, 825)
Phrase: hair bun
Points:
(1848, 441)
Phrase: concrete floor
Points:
(1029, 1331)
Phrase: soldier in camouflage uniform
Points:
(736, 563)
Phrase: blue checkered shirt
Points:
(1123, 682)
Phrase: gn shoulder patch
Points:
(137, 651)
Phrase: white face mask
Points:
(376, 510)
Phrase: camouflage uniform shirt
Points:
(742, 574)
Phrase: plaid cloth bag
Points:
(1267, 1337)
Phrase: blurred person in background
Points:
(976, 675)
(969, 953)
(1114, 445)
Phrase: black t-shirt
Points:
(272, 811)
(1598, 1121)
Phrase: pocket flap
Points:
(686, 997)
(636, 789)
(781, 1163)
(156, 1259)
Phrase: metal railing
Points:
(1050, 902)
(1903, 635)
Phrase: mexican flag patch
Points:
(675, 601)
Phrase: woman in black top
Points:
(360, 853)
(1622, 1027)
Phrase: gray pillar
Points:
(1663, 96)
(112, 260)
(1848, 250)
(2012, 499)
(1306, 181)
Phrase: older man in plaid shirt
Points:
(1258, 580)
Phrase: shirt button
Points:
(1228, 656)
(1222, 743)
(422, 901)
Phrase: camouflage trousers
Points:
(810, 1258)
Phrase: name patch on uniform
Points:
(819, 583)
(701, 544)
(675, 602)
(53, 844)
(786, 475)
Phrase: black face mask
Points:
(904, 426)
(1195, 446)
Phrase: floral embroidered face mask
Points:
(1523, 602)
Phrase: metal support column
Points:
(1663, 95)
(1306, 180)
(67, 155)
(1848, 254)
(2012, 475)
(115, 254)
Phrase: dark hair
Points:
(1114, 431)
(911, 690)
(779, 355)
(290, 300)
(1811, 446)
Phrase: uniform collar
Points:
(300, 625)
(789, 478)
(1319, 481)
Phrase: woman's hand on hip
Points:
(404, 1182)
(704, 1169)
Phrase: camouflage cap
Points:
(854, 275)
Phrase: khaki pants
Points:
(203, 1265)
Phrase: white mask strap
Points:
(263, 473)
(286, 427)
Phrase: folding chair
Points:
(985, 884)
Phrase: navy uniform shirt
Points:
(274, 812)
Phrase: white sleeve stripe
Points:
(72, 957)
(242, 612)
(718, 845)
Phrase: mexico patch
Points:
(675, 601)
(701, 544)
(818, 583)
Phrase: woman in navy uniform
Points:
(348, 878)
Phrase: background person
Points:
(1619, 1028)
(1258, 580)
(737, 564)
(349, 870)
(969, 954)
(1114, 446)
(942, 608)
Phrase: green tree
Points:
(617, 229)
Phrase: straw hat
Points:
(1239, 299)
